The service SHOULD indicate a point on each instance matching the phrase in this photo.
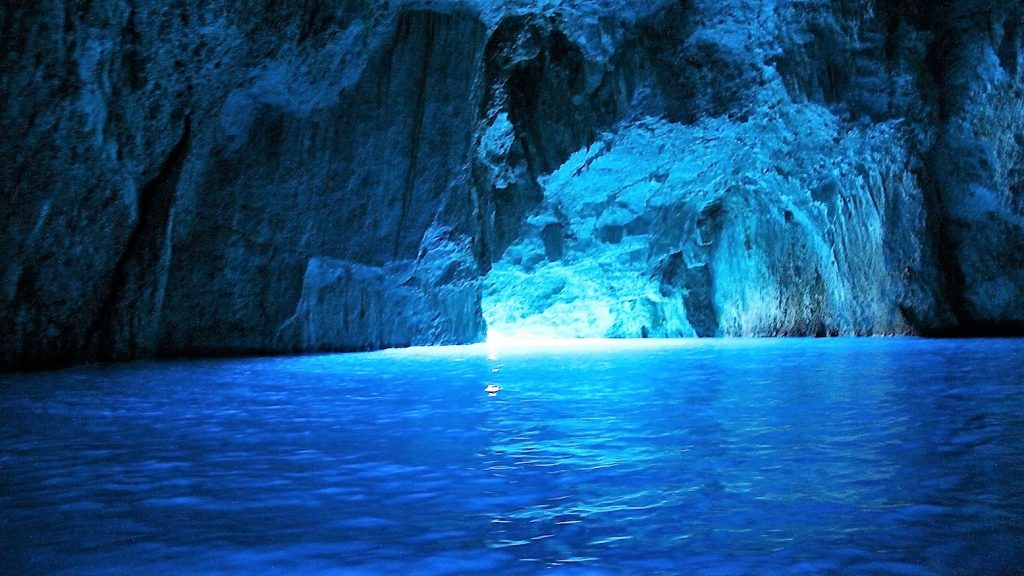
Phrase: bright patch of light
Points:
(498, 343)
(528, 340)
(499, 347)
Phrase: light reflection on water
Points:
(870, 456)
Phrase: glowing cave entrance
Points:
(587, 263)
(594, 260)
(558, 301)
(664, 230)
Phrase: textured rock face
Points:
(829, 238)
(977, 162)
(192, 178)
(785, 168)
(207, 177)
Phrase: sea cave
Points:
(584, 287)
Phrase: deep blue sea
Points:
(832, 456)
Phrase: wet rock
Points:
(174, 169)
(729, 253)
(198, 177)
(809, 168)
(977, 163)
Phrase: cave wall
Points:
(199, 177)
(784, 168)
(189, 177)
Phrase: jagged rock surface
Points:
(784, 168)
(829, 238)
(206, 177)
(182, 175)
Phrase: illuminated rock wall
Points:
(201, 177)
(781, 168)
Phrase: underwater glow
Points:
(498, 343)
(526, 341)
(799, 456)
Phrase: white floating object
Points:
(492, 389)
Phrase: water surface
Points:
(845, 456)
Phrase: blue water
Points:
(867, 456)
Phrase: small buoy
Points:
(492, 389)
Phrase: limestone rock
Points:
(207, 177)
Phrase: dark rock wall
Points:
(185, 177)
(977, 161)
(198, 176)
(359, 179)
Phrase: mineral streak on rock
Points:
(204, 177)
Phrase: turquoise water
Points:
(866, 456)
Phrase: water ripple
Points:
(874, 456)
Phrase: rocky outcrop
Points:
(204, 177)
(791, 168)
(829, 238)
(977, 162)
(434, 299)
(181, 175)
